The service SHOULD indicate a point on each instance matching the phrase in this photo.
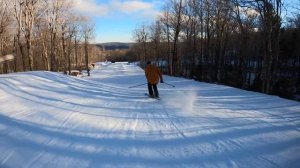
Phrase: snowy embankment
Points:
(52, 120)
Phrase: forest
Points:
(248, 44)
(44, 35)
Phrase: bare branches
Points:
(45, 34)
(236, 42)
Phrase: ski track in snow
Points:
(48, 119)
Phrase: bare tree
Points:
(191, 30)
(18, 14)
(165, 19)
(270, 16)
(141, 36)
(4, 22)
(155, 32)
(245, 18)
(53, 17)
(72, 29)
(30, 8)
(4, 33)
(87, 31)
(176, 23)
(43, 34)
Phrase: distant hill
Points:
(114, 46)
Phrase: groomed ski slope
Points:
(51, 120)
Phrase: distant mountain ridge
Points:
(114, 46)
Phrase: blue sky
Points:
(115, 20)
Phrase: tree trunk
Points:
(29, 51)
(63, 57)
(175, 60)
(21, 52)
(45, 55)
(86, 56)
(76, 52)
(15, 53)
(69, 54)
(169, 49)
(53, 66)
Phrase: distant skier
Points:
(153, 75)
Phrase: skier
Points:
(153, 75)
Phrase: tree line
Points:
(44, 35)
(249, 44)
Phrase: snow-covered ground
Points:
(51, 120)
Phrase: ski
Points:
(157, 98)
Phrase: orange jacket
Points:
(152, 74)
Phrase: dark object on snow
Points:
(75, 73)
(158, 98)
(169, 84)
(137, 85)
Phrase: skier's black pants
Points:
(151, 88)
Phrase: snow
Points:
(48, 119)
